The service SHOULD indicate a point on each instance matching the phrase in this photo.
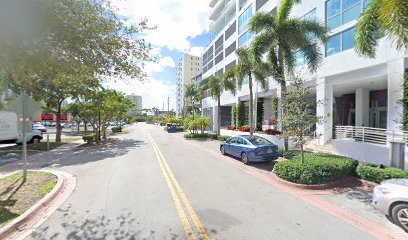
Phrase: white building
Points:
(354, 91)
(187, 67)
(137, 100)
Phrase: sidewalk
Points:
(352, 205)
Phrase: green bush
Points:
(317, 169)
(89, 138)
(116, 129)
(195, 135)
(376, 174)
(219, 137)
(290, 154)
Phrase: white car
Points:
(35, 136)
(66, 125)
(391, 198)
(39, 127)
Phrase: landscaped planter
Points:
(274, 139)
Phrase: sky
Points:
(181, 28)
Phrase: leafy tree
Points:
(300, 113)
(216, 86)
(70, 44)
(234, 115)
(203, 122)
(382, 18)
(249, 67)
(281, 37)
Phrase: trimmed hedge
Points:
(376, 174)
(116, 129)
(89, 138)
(290, 154)
(317, 169)
(193, 135)
(219, 137)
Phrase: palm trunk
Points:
(283, 94)
(58, 120)
(192, 106)
(251, 107)
(219, 115)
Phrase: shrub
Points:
(290, 154)
(195, 135)
(231, 128)
(272, 132)
(317, 169)
(89, 138)
(219, 138)
(116, 129)
(376, 174)
(244, 128)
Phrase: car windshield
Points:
(258, 141)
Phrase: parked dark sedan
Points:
(250, 149)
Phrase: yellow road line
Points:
(193, 215)
(182, 215)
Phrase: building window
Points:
(340, 42)
(244, 38)
(333, 46)
(299, 59)
(244, 19)
(340, 12)
(311, 15)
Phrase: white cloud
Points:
(153, 91)
(196, 51)
(177, 20)
(167, 62)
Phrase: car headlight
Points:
(383, 190)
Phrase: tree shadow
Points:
(9, 191)
(84, 226)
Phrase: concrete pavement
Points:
(123, 193)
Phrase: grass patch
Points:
(317, 169)
(17, 196)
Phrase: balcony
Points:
(224, 18)
(213, 2)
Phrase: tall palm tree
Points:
(383, 18)
(216, 86)
(191, 92)
(281, 37)
(248, 66)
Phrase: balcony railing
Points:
(371, 135)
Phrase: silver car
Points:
(391, 198)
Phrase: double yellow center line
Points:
(173, 184)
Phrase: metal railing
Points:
(371, 135)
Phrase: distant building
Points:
(187, 67)
(137, 100)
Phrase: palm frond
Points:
(285, 9)
(262, 21)
(393, 15)
(313, 56)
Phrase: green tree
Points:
(300, 113)
(281, 37)
(241, 114)
(248, 67)
(191, 93)
(382, 18)
(203, 122)
(70, 43)
(216, 86)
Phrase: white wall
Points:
(365, 152)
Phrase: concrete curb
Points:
(348, 181)
(15, 225)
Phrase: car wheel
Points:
(222, 150)
(244, 158)
(399, 214)
(35, 140)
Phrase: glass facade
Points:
(244, 19)
(340, 42)
(244, 38)
(340, 12)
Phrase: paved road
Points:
(154, 186)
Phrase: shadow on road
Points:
(265, 166)
(85, 226)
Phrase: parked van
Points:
(9, 132)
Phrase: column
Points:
(395, 93)
(362, 107)
(215, 118)
(324, 110)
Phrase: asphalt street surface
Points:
(152, 185)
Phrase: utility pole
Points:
(168, 104)
(163, 106)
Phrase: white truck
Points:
(9, 132)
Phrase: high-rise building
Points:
(187, 67)
(137, 100)
(349, 90)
